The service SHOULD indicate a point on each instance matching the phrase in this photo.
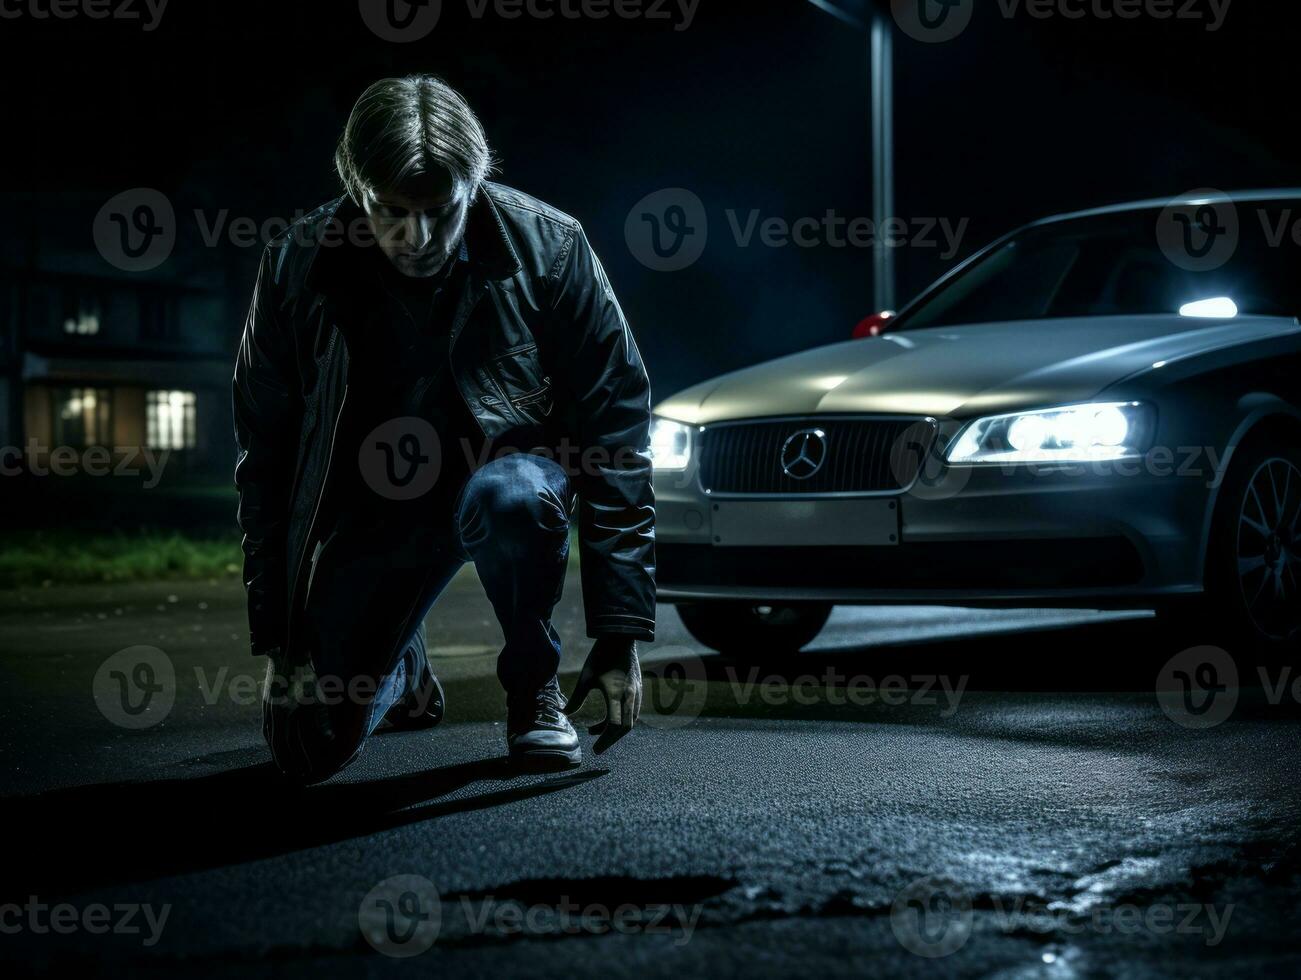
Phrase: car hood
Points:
(962, 371)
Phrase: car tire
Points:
(1252, 603)
(752, 631)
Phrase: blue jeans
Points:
(371, 587)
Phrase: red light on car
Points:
(873, 326)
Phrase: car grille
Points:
(862, 455)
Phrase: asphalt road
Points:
(923, 792)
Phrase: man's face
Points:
(419, 225)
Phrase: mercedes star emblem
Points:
(804, 453)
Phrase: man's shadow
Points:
(69, 840)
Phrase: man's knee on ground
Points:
(302, 751)
(308, 742)
(513, 500)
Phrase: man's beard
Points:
(424, 266)
(429, 265)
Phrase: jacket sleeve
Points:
(267, 409)
(603, 376)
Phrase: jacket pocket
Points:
(520, 377)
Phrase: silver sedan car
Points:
(1099, 410)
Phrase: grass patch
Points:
(65, 557)
(36, 558)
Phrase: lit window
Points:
(82, 416)
(169, 420)
(81, 314)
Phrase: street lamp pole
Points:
(881, 53)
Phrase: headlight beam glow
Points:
(1072, 433)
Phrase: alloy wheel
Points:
(1268, 552)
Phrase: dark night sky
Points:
(763, 105)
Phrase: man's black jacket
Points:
(538, 347)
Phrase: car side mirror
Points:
(874, 325)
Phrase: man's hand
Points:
(613, 668)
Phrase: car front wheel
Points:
(754, 631)
(1253, 575)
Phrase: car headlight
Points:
(670, 446)
(1073, 433)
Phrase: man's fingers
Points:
(581, 690)
(620, 716)
(629, 706)
(613, 706)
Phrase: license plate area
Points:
(796, 523)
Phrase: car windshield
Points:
(1115, 265)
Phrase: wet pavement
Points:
(923, 791)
